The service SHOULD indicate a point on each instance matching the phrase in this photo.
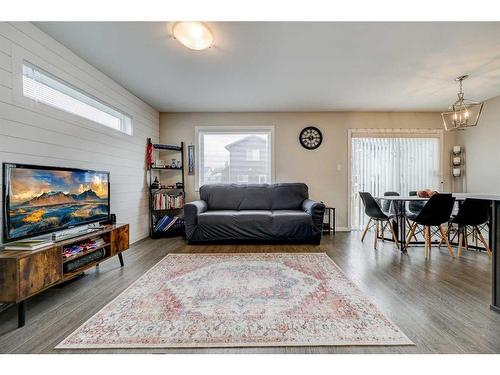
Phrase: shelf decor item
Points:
(159, 163)
(191, 159)
(166, 201)
(149, 154)
(463, 113)
(457, 161)
(156, 183)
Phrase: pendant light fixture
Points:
(193, 35)
(463, 113)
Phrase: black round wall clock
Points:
(310, 137)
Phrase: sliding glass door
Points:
(394, 163)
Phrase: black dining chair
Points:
(435, 213)
(414, 207)
(373, 211)
(472, 214)
(385, 206)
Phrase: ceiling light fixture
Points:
(464, 113)
(194, 35)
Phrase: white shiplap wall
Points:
(34, 134)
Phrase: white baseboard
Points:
(342, 229)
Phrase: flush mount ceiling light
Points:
(194, 35)
(463, 113)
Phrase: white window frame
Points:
(386, 133)
(232, 129)
(20, 56)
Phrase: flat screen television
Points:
(40, 200)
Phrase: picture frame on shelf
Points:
(191, 160)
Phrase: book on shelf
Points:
(28, 245)
(179, 224)
(166, 146)
(166, 201)
(87, 245)
(159, 163)
(164, 223)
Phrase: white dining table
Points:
(494, 235)
(409, 198)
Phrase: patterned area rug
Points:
(235, 300)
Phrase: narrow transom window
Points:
(44, 87)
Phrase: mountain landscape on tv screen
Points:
(42, 201)
(55, 209)
(53, 197)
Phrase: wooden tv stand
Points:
(26, 273)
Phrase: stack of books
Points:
(163, 201)
(91, 244)
(29, 245)
(165, 223)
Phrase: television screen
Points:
(41, 200)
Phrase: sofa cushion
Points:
(294, 217)
(257, 224)
(292, 223)
(257, 197)
(285, 196)
(289, 196)
(221, 196)
(232, 224)
(234, 217)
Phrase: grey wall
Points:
(482, 148)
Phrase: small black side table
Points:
(329, 224)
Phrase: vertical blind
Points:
(379, 165)
(234, 156)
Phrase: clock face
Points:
(310, 137)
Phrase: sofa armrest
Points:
(317, 211)
(191, 212)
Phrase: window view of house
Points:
(234, 157)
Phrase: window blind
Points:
(398, 164)
(234, 156)
(43, 87)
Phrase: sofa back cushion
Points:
(285, 196)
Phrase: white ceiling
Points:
(294, 66)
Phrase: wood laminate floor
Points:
(442, 304)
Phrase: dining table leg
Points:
(402, 226)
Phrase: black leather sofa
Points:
(276, 213)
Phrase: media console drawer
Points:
(38, 271)
(119, 240)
